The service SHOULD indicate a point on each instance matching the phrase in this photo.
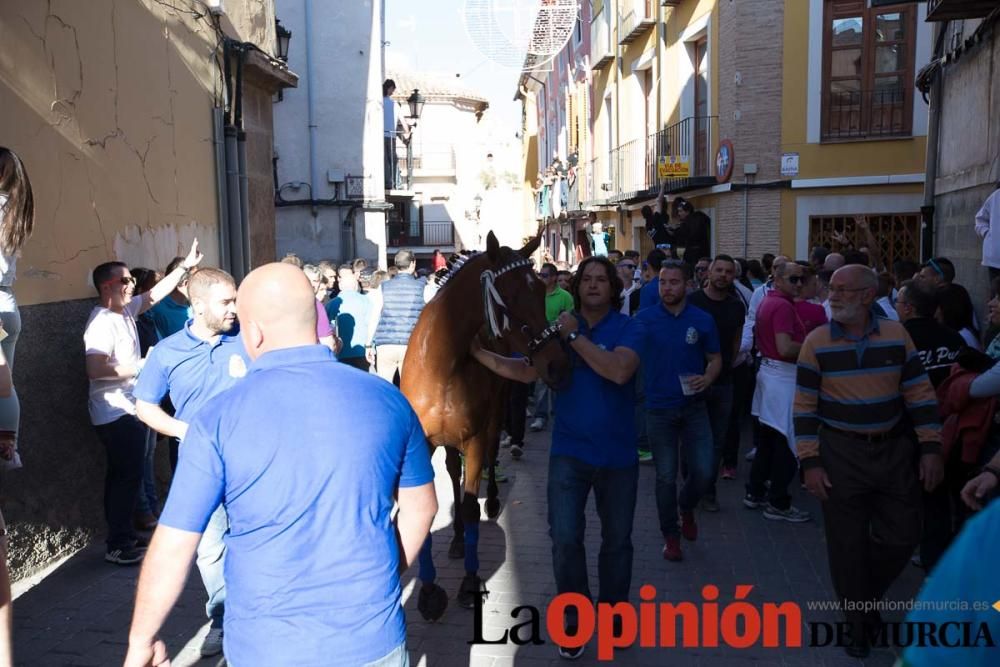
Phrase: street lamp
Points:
(284, 37)
(416, 103)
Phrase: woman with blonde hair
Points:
(17, 220)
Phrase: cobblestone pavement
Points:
(79, 614)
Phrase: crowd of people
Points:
(872, 387)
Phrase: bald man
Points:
(865, 413)
(314, 556)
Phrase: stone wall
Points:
(969, 159)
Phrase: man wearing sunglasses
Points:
(113, 362)
(780, 332)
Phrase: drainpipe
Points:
(219, 143)
(933, 129)
(234, 219)
(311, 104)
(746, 214)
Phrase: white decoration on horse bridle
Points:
(492, 301)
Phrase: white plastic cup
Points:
(686, 384)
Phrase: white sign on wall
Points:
(789, 164)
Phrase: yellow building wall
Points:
(109, 105)
(830, 160)
(674, 61)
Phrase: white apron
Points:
(773, 397)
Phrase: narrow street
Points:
(80, 614)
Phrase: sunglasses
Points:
(626, 265)
(797, 280)
(544, 274)
(124, 280)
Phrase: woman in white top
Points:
(17, 216)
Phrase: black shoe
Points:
(859, 651)
(140, 542)
(128, 556)
(570, 653)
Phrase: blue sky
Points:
(430, 36)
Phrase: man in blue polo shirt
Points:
(593, 439)
(201, 360)
(314, 555)
(680, 360)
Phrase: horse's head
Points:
(514, 299)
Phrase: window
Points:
(868, 59)
(898, 234)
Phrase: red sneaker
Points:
(689, 529)
(672, 549)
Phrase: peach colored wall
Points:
(109, 104)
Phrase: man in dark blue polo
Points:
(680, 360)
(314, 551)
(201, 360)
(593, 447)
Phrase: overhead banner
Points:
(673, 166)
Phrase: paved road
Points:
(79, 615)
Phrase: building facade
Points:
(445, 172)
(963, 164)
(119, 111)
(329, 173)
(810, 102)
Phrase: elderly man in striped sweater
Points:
(858, 378)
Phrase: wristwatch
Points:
(572, 337)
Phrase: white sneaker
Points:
(212, 644)
(505, 440)
(537, 424)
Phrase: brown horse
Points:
(459, 402)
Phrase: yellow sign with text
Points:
(673, 166)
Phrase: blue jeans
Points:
(719, 402)
(211, 559)
(543, 401)
(124, 442)
(397, 657)
(570, 482)
(668, 429)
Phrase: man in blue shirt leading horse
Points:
(593, 438)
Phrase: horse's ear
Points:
(533, 244)
(492, 247)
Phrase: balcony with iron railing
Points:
(681, 154)
(429, 161)
(601, 51)
(414, 234)
(634, 19)
(867, 114)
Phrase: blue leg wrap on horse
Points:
(427, 571)
(472, 547)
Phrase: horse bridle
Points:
(493, 303)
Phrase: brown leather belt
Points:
(895, 432)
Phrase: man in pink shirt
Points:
(780, 332)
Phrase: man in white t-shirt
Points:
(113, 361)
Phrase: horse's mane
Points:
(458, 261)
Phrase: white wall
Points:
(347, 64)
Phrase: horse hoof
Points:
(457, 548)
(471, 588)
(432, 602)
(492, 508)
